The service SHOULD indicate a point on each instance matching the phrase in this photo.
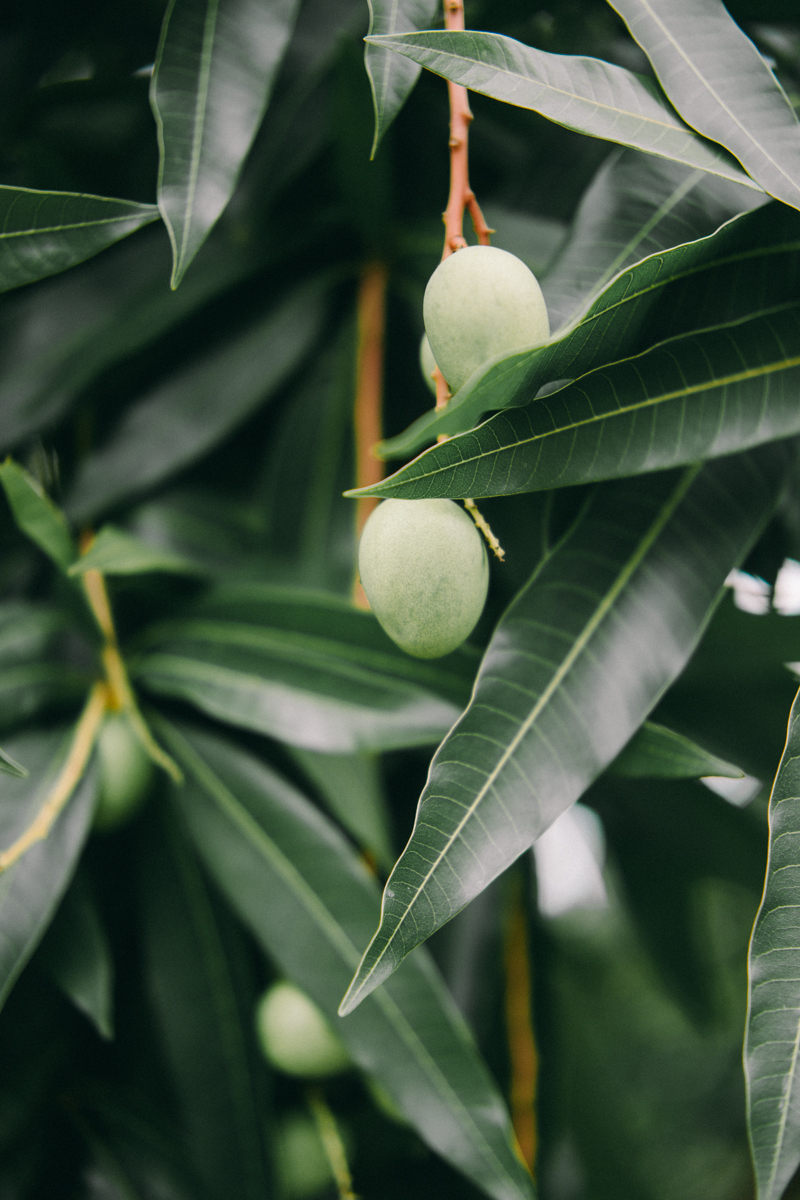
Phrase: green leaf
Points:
(36, 515)
(606, 622)
(693, 397)
(214, 70)
(76, 953)
(655, 752)
(304, 667)
(64, 334)
(10, 767)
(116, 552)
(771, 1063)
(718, 278)
(391, 76)
(309, 901)
(636, 205)
(194, 409)
(204, 1019)
(31, 889)
(584, 94)
(719, 82)
(42, 233)
(350, 785)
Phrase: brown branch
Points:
(367, 413)
(519, 1028)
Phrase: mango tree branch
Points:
(519, 1028)
(367, 412)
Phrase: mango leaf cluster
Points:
(179, 544)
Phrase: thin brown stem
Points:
(367, 413)
(519, 1027)
(461, 194)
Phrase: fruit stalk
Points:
(461, 194)
(367, 415)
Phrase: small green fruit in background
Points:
(479, 302)
(302, 1166)
(295, 1036)
(427, 363)
(125, 772)
(424, 570)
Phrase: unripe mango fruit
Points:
(295, 1036)
(479, 302)
(424, 570)
(125, 772)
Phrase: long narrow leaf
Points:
(42, 233)
(76, 953)
(605, 624)
(309, 901)
(214, 70)
(391, 76)
(190, 412)
(751, 261)
(36, 514)
(719, 82)
(772, 1065)
(31, 889)
(584, 94)
(204, 1020)
(693, 397)
(303, 667)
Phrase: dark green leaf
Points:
(45, 232)
(196, 408)
(116, 552)
(693, 397)
(607, 621)
(31, 889)
(213, 75)
(36, 515)
(636, 205)
(772, 1069)
(350, 785)
(584, 94)
(304, 667)
(76, 953)
(60, 337)
(655, 752)
(719, 82)
(29, 687)
(309, 901)
(751, 262)
(205, 1028)
(391, 76)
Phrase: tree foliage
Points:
(520, 880)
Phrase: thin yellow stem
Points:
(83, 741)
(485, 528)
(121, 695)
(332, 1142)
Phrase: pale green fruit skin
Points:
(302, 1165)
(479, 302)
(423, 567)
(125, 772)
(295, 1036)
(427, 363)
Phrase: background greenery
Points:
(204, 432)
